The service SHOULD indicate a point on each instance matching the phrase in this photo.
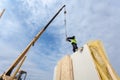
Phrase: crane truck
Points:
(17, 74)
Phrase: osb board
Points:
(64, 69)
(100, 58)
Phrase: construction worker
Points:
(73, 42)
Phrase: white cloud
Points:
(87, 19)
(48, 2)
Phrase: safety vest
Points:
(73, 41)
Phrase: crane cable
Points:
(65, 22)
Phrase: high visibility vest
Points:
(73, 41)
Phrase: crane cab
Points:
(21, 75)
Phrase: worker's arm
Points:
(69, 39)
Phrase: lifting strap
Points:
(65, 22)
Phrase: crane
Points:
(16, 75)
(2, 13)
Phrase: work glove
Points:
(66, 39)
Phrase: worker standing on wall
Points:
(73, 42)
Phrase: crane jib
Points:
(10, 69)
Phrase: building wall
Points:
(83, 65)
(89, 63)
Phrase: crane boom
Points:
(2, 13)
(10, 69)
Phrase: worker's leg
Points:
(74, 47)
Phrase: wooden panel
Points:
(89, 64)
(64, 69)
(101, 61)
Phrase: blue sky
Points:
(87, 19)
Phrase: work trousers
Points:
(75, 48)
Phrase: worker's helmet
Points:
(73, 36)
